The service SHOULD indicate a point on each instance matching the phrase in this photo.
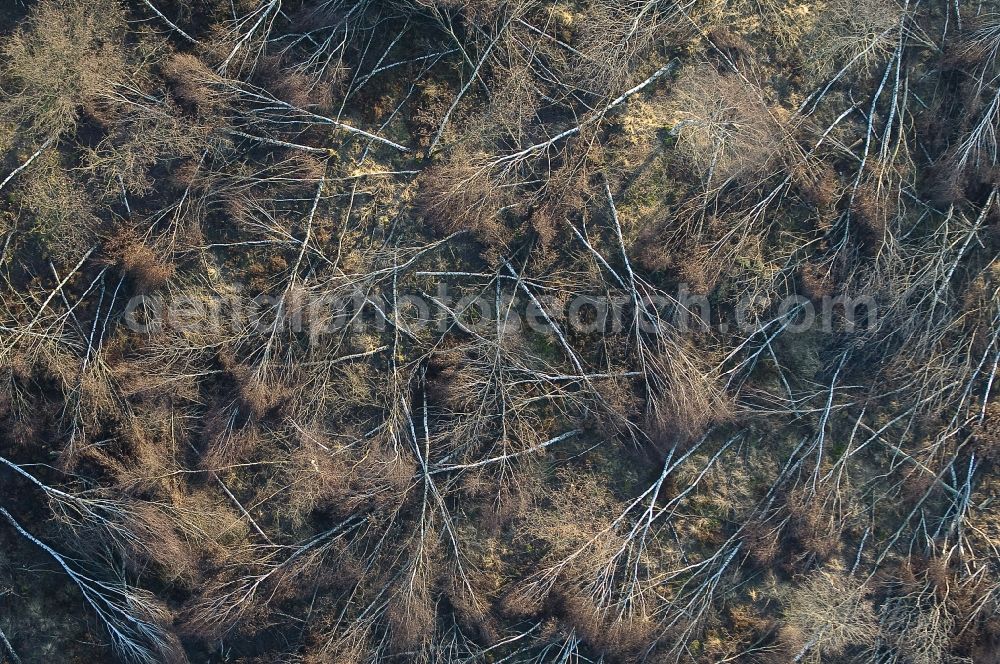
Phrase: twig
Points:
(48, 141)
(10, 649)
(170, 23)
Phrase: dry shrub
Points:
(868, 213)
(620, 401)
(747, 618)
(729, 41)
(146, 379)
(622, 637)
(152, 442)
(341, 479)
(941, 586)
(778, 22)
(504, 497)
(355, 387)
(697, 270)
(233, 602)
(950, 179)
(763, 543)
(141, 137)
(688, 399)
(977, 296)
(306, 167)
(26, 425)
(313, 571)
(976, 46)
(381, 466)
(650, 252)
(460, 195)
(575, 530)
(288, 85)
(580, 612)
(516, 100)
(469, 602)
(545, 222)
(919, 629)
(256, 398)
(185, 174)
(411, 622)
(96, 393)
(60, 208)
(815, 530)
(521, 602)
(322, 474)
(475, 13)
(143, 524)
(791, 641)
(615, 38)
(241, 604)
(146, 267)
(64, 56)
(815, 281)
(936, 610)
(219, 534)
(192, 81)
(632, 636)
(432, 102)
(350, 648)
(818, 184)
(830, 611)
(410, 613)
(58, 365)
(725, 128)
(158, 541)
(227, 440)
(986, 434)
(234, 426)
(579, 511)
(849, 29)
